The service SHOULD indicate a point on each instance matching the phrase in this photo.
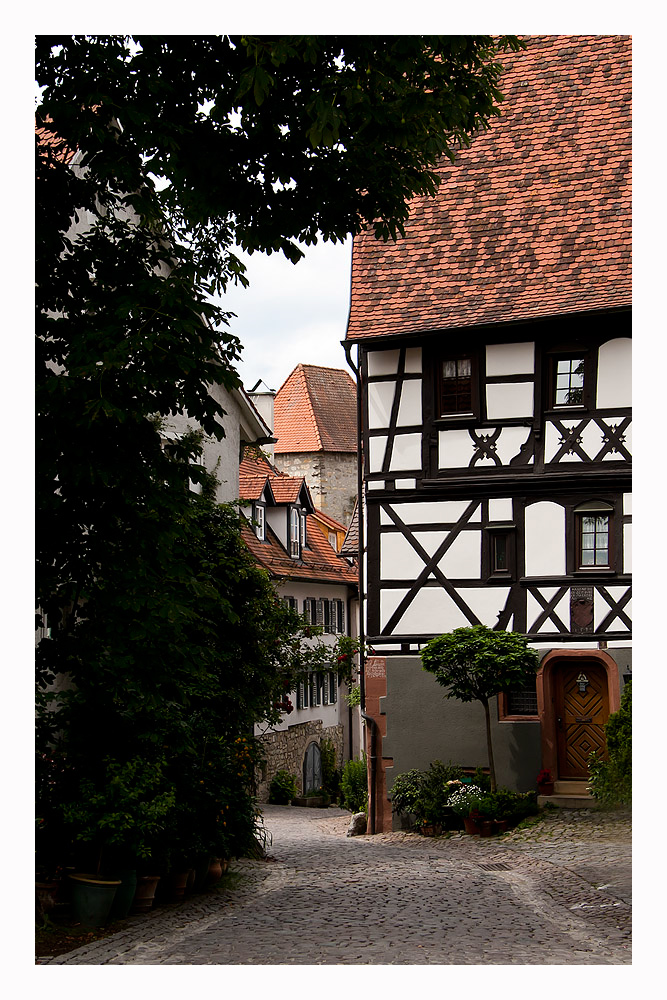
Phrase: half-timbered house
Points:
(494, 369)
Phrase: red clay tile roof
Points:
(532, 220)
(255, 470)
(315, 409)
(319, 563)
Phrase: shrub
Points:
(283, 788)
(465, 798)
(330, 773)
(611, 780)
(354, 786)
(425, 794)
(508, 805)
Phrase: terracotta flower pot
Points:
(145, 894)
(545, 788)
(486, 828)
(470, 825)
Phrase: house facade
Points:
(315, 426)
(494, 360)
(286, 536)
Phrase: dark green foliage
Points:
(476, 663)
(283, 788)
(508, 805)
(165, 643)
(331, 775)
(354, 786)
(424, 794)
(611, 779)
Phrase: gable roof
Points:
(318, 564)
(315, 409)
(256, 474)
(532, 220)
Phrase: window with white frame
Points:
(304, 537)
(295, 533)
(318, 689)
(328, 614)
(260, 521)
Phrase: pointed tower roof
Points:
(316, 410)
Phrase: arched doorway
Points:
(312, 769)
(576, 692)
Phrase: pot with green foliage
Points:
(464, 803)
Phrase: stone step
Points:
(567, 801)
(572, 787)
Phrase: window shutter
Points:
(299, 695)
(319, 611)
(333, 688)
(341, 617)
(325, 689)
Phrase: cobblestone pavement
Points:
(557, 893)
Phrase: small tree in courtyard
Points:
(476, 663)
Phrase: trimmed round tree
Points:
(476, 663)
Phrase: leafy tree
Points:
(476, 663)
(611, 779)
(156, 155)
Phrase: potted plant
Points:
(464, 802)
(545, 782)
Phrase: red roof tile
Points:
(319, 563)
(316, 410)
(532, 220)
(254, 472)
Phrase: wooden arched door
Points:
(312, 769)
(582, 708)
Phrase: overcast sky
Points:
(291, 313)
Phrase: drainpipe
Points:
(362, 623)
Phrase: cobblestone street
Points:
(558, 893)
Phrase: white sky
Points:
(291, 313)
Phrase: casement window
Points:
(291, 602)
(500, 552)
(456, 389)
(319, 688)
(303, 537)
(519, 704)
(259, 518)
(567, 380)
(333, 540)
(593, 522)
(328, 614)
(295, 533)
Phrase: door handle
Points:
(560, 722)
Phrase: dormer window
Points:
(304, 537)
(295, 533)
(258, 517)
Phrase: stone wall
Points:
(331, 479)
(286, 751)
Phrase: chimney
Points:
(262, 399)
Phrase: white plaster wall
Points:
(376, 449)
(463, 559)
(382, 362)
(406, 453)
(444, 512)
(276, 517)
(410, 407)
(627, 548)
(454, 449)
(432, 610)
(510, 443)
(485, 602)
(509, 399)
(380, 402)
(510, 359)
(545, 539)
(501, 509)
(220, 457)
(413, 360)
(614, 387)
(627, 503)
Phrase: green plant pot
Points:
(125, 893)
(92, 899)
